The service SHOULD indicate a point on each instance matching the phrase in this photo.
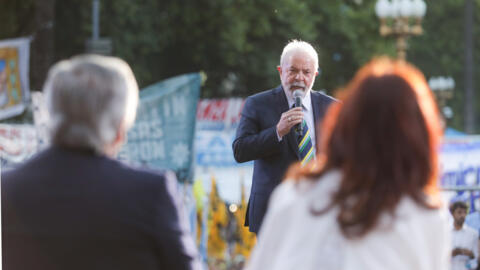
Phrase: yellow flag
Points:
(199, 195)
(217, 222)
(246, 239)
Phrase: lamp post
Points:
(443, 88)
(97, 44)
(401, 19)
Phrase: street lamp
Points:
(443, 88)
(96, 44)
(401, 19)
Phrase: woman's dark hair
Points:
(383, 137)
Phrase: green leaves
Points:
(243, 39)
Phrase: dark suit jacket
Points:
(257, 140)
(68, 209)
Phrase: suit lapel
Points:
(319, 110)
(316, 113)
(282, 103)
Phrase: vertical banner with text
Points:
(163, 134)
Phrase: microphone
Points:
(297, 96)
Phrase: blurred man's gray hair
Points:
(90, 98)
(299, 45)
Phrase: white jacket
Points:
(291, 238)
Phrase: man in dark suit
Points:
(73, 206)
(265, 133)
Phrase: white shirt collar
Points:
(464, 226)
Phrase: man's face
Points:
(459, 215)
(297, 72)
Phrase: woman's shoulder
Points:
(410, 210)
(418, 235)
(290, 228)
(409, 219)
(305, 190)
(284, 195)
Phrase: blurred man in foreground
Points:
(74, 207)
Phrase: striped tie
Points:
(305, 147)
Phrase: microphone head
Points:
(297, 97)
(298, 94)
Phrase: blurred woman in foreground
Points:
(370, 199)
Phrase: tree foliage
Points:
(16, 18)
(238, 43)
(440, 51)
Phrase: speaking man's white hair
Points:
(90, 98)
(299, 45)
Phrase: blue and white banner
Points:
(217, 120)
(163, 133)
(214, 149)
(460, 167)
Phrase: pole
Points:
(402, 47)
(95, 20)
(469, 69)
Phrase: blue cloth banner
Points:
(163, 133)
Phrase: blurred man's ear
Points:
(120, 139)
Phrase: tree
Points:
(238, 43)
(441, 53)
(34, 19)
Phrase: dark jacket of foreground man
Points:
(73, 209)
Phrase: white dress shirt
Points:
(291, 238)
(467, 238)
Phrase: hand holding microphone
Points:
(292, 117)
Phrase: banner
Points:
(163, 133)
(217, 120)
(14, 84)
(219, 114)
(460, 167)
(40, 118)
(17, 143)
